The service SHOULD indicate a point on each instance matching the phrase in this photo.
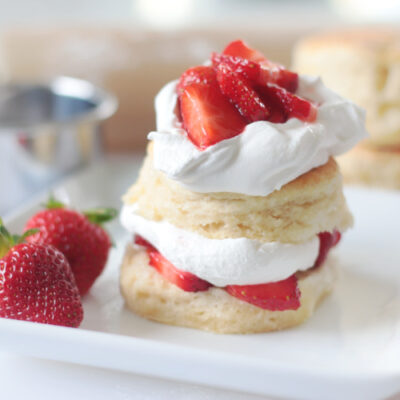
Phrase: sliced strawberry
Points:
(275, 101)
(327, 240)
(208, 116)
(275, 74)
(201, 74)
(142, 242)
(239, 91)
(241, 66)
(336, 236)
(285, 105)
(185, 280)
(269, 72)
(238, 48)
(275, 296)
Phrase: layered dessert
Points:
(363, 65)
(239, 200)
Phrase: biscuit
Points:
(150, 295)
(364, 66)
(371, 167)
(301, 209)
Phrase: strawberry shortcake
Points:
(239, 200)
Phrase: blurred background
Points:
(130, 48)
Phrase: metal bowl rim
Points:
(106, 103)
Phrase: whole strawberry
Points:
(79, 236)
(36, 283)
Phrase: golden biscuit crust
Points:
(310, 204)
(148, 294)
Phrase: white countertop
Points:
(24, 377)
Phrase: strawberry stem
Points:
(100, 215)
(97, 216)
(7, 241)
(53, 203)
(29, 232)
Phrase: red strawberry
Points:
(208, 116)
(285, 105)
(36, 283)
(185, 280)
(238, 48)
(201, 75)
(275, 296)
(327, 240)
(79, 236)
(240, 92)
(269, 71)
(336, 236)
(275, 74)
(244, 68)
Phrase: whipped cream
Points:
(266, 155)
(222, 262)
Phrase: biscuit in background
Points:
(364, 66)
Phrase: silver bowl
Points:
(54, 127)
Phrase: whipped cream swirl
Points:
(266, 155)
(222, 262)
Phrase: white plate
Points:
(350, 349)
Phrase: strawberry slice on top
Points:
(208, 116)
(201, 74)
(269, 72)
(241, 66)
(285, 105)
(246, 99)
(240, 86)
(239, 48)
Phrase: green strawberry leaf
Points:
(7, 240)
(101, 215)
(29, 232)
(53, 203)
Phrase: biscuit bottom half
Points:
(372, 167)
(148, 294)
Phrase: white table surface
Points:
(29, 378)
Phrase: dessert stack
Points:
(239, 199)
